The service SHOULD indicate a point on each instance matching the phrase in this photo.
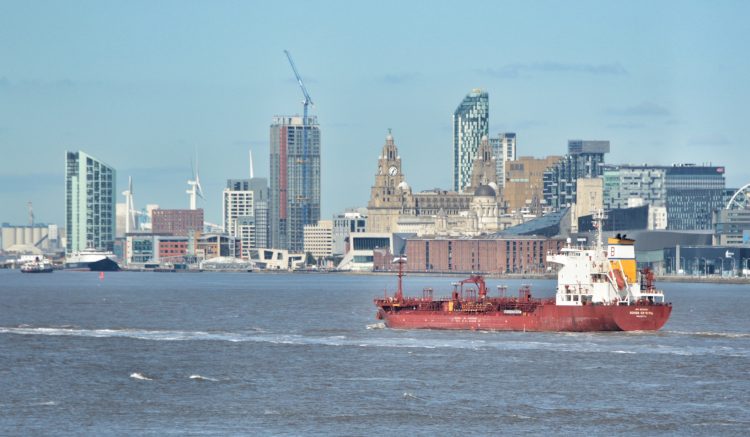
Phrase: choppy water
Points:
(279, 354)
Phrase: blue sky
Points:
(144, 85)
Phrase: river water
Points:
(302, 354)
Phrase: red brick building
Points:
(172, 248)
(180, 222)
(493, 255)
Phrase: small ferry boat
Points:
(37, 265)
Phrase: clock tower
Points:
(390, 193)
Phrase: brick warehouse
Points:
(492, 255)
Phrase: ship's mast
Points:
(400, 291)
(598, 224)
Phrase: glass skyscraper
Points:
(89, 203)
(295, 181)
(471, 122)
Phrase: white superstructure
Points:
(591, 276)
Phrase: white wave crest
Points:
(202, 378)
(410, 395)
(712, 334)
(44, 404)
(423, 340)
(139, 376)
(380, 325)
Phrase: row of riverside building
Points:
(503, 214)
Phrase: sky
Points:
(145, 86)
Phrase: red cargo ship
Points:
(597, 290)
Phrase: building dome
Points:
(484, 191)
(404, 186)
(493, 186)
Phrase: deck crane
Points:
(305, 150)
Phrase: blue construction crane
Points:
(305, 159)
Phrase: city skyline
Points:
(108, 79)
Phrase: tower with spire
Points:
(484, 167)
(390, 193)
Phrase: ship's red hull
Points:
(544, 317)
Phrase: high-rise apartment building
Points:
(471, 122)
(245, 212)
(585, 159)
(504, 148)
(238, 218)
(295, 180)
(90, 187)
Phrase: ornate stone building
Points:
(484, 168)
(393, 207)
(391, 194)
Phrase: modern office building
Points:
(319, 239)
(360, 255)
(626, 186)
(585, 159)
(504, 148)
(295, 180)
(693, 194)
(212, 245)
(690, 193)
(524, 184)
(470, 124)
(90, 187)
(347, 223)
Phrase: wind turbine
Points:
(129, 208)
(195, 189)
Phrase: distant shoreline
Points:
(550, 276)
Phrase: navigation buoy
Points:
(101, 276)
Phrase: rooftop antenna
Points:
(251, 164)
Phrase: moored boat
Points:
(597, 290)
(37, 265)
(91, 260)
